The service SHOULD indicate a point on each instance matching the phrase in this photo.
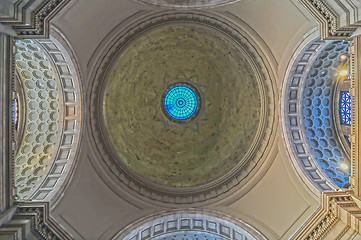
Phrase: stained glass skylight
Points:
(180, 102)
(345, 108)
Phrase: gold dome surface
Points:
(204, 149)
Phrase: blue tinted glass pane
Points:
(346, 108)
(180, 102)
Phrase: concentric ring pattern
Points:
(180, 102)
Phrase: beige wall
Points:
(276, 201)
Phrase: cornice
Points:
(31, 18)
(33, 219)
(329, 20)
(143, 188)
(335, 207)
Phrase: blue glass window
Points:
(180, 102)
(345, 108)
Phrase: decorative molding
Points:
(188, 221)
(32, 219)
(145, 189)
(7, 127)
(187, 4)
(72, 102)
(329, 20)
(336, 207)
(355, 137)
(30, 19)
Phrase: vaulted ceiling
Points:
(114, 162)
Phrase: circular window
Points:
(181, 102)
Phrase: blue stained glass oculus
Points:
(181, 102)
(345, 108)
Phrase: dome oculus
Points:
(180, 102)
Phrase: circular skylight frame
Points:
(181, 117)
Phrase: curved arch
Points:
(57, 119)
(191, 222)
(293, 120)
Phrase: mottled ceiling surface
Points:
(196, 152)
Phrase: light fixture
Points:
(344, 166)
(343, 72)
(343, 57)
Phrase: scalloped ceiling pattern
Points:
(43, 117)
(317, 113)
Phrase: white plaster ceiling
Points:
(275, 200)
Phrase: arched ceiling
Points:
(49, 115)
(226, 161)
(168, 159)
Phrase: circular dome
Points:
(145, 152)
(181, 103)
(209, 146)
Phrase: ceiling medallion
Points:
(181, 102)
(216, 82)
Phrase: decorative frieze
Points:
(355, 91)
